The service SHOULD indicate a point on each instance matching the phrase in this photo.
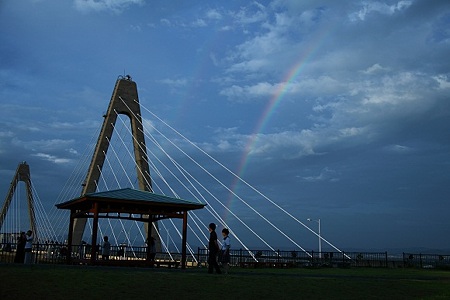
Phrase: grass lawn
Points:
(84, 282)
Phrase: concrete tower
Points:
(125, 101)
(22, 174)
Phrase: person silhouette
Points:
(106, 248)
(213, 250)
(20, 250)
(28, 247)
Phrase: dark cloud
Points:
(338, 111)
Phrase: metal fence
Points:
(427, 261)
(41, 253)
(56, 253)
(290, 259)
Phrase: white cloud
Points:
(254, 13)
(272, 39)
(397, 89)
(283, 41)
(379, 7)
(365, 110)
(326, 174)
(174, 82)
(199, 23)
(214, 59)
(356, 95)
(72, 151)
(375, 68)
(43, 145)
(148, 125)
(398, 149)
(281, 145)
(352, 131)
(224, 145)
(213, 14)
(6, 134)
(250, 66)
(116, 6)
(88, 124)
(243, 93)
(166, 22)
(323, 85)
(52, 158)
(136, 28)
(443, 81)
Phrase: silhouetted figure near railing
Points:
(29, 248)
(213, 250)
(20, 250)
(106, 248)
(225, 251)
(151, 249)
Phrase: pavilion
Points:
(127, 204)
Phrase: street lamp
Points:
(167, 243)
(320, 239)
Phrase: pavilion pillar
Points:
(149, 235)
(94, 234)
(70, 236)
(183, 242)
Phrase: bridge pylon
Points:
(124, 101)
(22, 174)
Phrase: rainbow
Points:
(281, 90)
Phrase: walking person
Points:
(106, 248)
(225, 255)
(28, 247)
(213, 246)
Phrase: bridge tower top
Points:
(22, 174)
(124, 100)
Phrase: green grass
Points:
(81, 282)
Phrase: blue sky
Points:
(345, 103)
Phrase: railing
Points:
(41, 253)
(284, 259)
(127, 255)
(427, 261)
(81, 254)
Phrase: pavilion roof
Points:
(130, 201)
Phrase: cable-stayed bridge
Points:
(136, 148)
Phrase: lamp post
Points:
(320, 239)
(167, 242)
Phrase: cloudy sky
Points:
(338, 110)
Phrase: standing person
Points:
(213, 250)
(152, 248)
(225, 257)
(106, 248)
(28, 247)
(20, 250)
